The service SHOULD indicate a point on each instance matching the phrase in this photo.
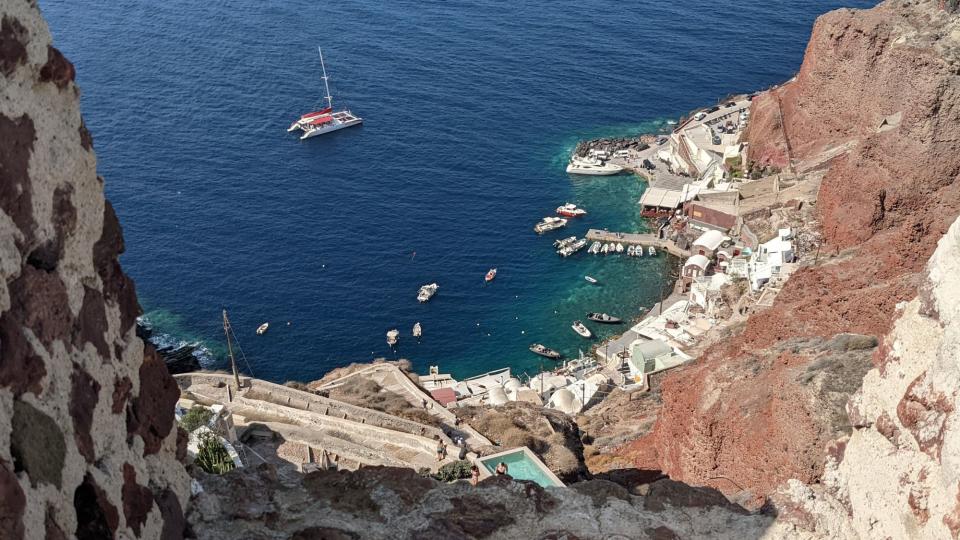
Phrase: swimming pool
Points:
(522, 464)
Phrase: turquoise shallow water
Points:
(470, 111)
(520, 467)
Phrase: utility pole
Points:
(233, 361)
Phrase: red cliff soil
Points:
(877, 103)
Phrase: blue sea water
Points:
(470, 110)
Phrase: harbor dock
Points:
(637, 239)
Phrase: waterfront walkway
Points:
(637, 239)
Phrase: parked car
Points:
(661, 141)
(713, 109)
(716, 139)
(730, 104)
(700, 115)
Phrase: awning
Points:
(444, 396)
(661, 198)
(321, 120)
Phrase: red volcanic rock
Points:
(877, 104)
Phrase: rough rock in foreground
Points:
(88, 446)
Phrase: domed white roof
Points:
(497, 396)
(512, 384)
(564, 401)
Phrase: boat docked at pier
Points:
(592, 167)
(579, 328)
(564, 242)
(570, 249)
(549, 224)
(594, 248)
(426, 292)
(570, 210)
(603, 318)
(652, 251)
(325, 120)
(546, 352)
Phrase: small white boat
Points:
(570, 210)
(492, 273)
(594, 248)
(548, 224)
(619, 247)
(592, 167)
(426, 292)
(570, 249)
(652, 252)
(579, 328)
(605, 249)
(560, 244)
(417, 330)
(639, 251)
(392, 337)
(591, 279)
(631, 251)
(262, 329)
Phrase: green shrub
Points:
(454, 471)
(212, 456)
(195, 417)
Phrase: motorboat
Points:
(591, 279)
(619, 247)
(492, 273)
(570, 249)
(570, 210)
(417, 330)
(605, 249)
(549, 224)
(603, 318)
(579, 328)
(631, 251)
(393, 336)
(546, 352)
(325, 120)
(594, 248)
(426, 292)
(262, 329)
(651, 251)
(560, 244)
(639, 251)
(592, 167)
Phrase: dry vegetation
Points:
(364, 392)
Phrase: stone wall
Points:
(85, 449)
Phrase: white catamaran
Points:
(324, 120)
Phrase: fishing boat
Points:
(549, 224)
(592, 167)
(652, 252)
(560, 244)
(546, 352)
(570, 210)
(603, 318)
(492, 273)
(426, 292)
(591, 279)
(579, 328)
(417, 330)
(262, 329)
(393, 336)
(619, 247)
(325, 120)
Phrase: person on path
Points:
(441, 450)
(474, 475)
(463, 449)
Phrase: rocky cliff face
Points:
(87, 441)
(876, 107)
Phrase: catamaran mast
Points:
(325, 85)
(233, 362)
